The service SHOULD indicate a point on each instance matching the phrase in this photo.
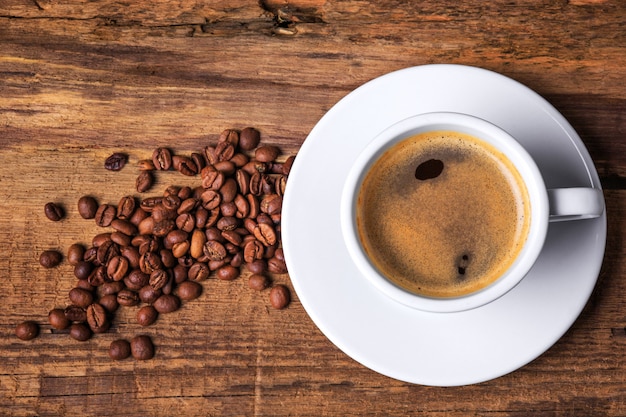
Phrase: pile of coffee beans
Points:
(154, 252)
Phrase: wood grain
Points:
(82, 79)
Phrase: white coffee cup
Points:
(546, 205)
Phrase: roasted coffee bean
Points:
(141, 347)
(211, 199)
(186, 222)
(170, 204)
(175, 236)
(87, 207)
(97, 318)
(279, 296)
(147, 315)
(228, 209)
(180, 273)
(145, 165)
(75, 254)
(280, 184)
(126, 207)
(159, 278)
(50, 258)
(239, 159)
(258, 266)
(162, 159)
(150, 262)
(117, 267)
(144, 181)
(199, 271)
(106, 251)
(167, 303)
(188, 290)
(80, 297)
(105, 215)
(98, 276)
(255, 184)
(148, 204)
(132, 255)
(167, 258)
(249, 138)
(187, 205)
(214, 250)
(27, 330)
(258, 282)
(226, 167)
(85, 285)
(198, 160)
(138, 215)
(80, 332)
(255, 207)
(243, 181)
(266, 153)
(288, 164)
(116, 161)
(121, 239)
(136, 279)
(99, 239)
(227, 273)
(265, 234)
(227, 223)
(127, 298)
(229, 135)
(119, 349)
(252, 250)
(180, 249)
(109, 302)
(184, 165)
(57, 319)
(212, 179)
(53, 211)
(223, 151)
(109, 288)
(271, 204)
(124, 226)
(146, 226)
(276, 265)
(163, 227)
(198, 239)
(232, 237)
(75, 313)
(148, 294)
(228, 190)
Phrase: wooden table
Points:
(82, 79)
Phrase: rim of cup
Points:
(487, 132)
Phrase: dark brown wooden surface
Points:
(80, 79)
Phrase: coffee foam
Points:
(445, 236)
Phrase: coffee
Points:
(442, 214)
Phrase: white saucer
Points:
(411, 345)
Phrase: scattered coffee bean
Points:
(119, 349)
(80, 332)
(142, 348)
(57, 319)
(161, 247)
(167, 303)
(80, 297)
(87, 207)
(144, 181)
(75, 254)
(258, 282)
(50, 258)
(97, 318)
(27, 330)
(147, 315)
(188, 290)
(279, 296)
(54, 211)
(116, 161)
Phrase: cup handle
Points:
(575, 203)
